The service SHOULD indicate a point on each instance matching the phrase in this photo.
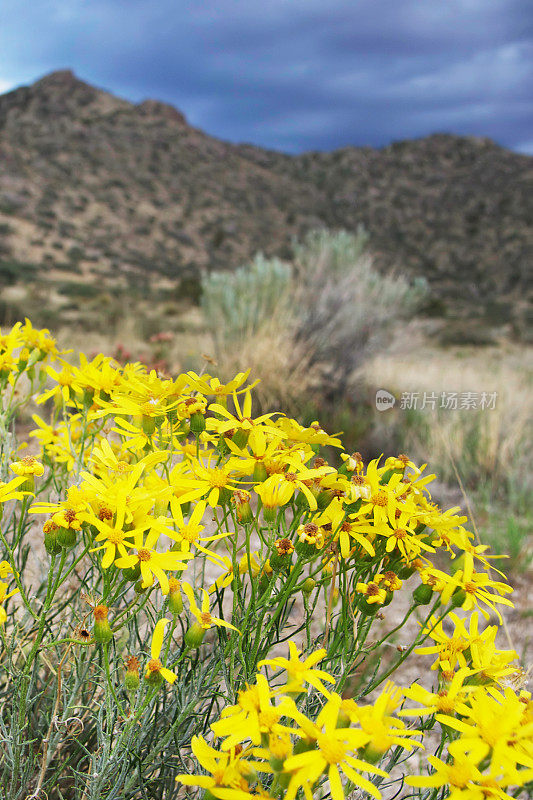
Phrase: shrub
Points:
(185, 542)
(237, 304)
(331, 305)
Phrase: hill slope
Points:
(96, 188)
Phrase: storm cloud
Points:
(294, 75)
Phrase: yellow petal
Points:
(157, 637)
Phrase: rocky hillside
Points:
(97, 191)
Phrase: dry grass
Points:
(489, 444)
(283, 365)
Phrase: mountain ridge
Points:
(120, 191)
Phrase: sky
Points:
(294, 75)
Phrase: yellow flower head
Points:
(27, 466)
(301, 672)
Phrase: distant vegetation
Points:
(133, 199)
(306, 327)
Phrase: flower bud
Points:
(148, 425)
(224, 496)
(27, 485)
(280, 557)
(343, 720)
(131, 678)
(270, 513)
(303, 746)
(372, 754)
(197, 422)
(458, 597)
(369, 609)
(102, 629)
(175, 600)
(240, 437)
(51, 544)
(422, 594)
(259, 474)
(88, 398)
(194, 636)
(324, 498)
(132, 573)
(241, 501)
(308, 586)
(66, 537)
(405, 571)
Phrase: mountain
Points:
(98, 190)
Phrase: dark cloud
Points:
(295, 74)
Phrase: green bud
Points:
(343, 720)
(308, 586)
(197, 422)
(35, 356)
(132, 573)
(148, 425)
(224, 496)
(51, 544)
(270, 513)
(175, 602)
(259, 474)
(422, 594)
(324, 498)
(194, 636)
(405, 572)
(303, 746)
(88, 398)
(66, 537)
(102, 631)
(27, 485)
(372, 754)
(458, 597)
(244, 513)
(154, 678)
(276, 763)
(240, 438)
(131, 681)
(369, 609)
(279, 561)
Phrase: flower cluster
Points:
(204, 536)
(265, 733)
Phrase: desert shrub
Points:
(162, 550)
(77, 289)
(236, 304)
(346, 308)
(16, 271)
(330, 305)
